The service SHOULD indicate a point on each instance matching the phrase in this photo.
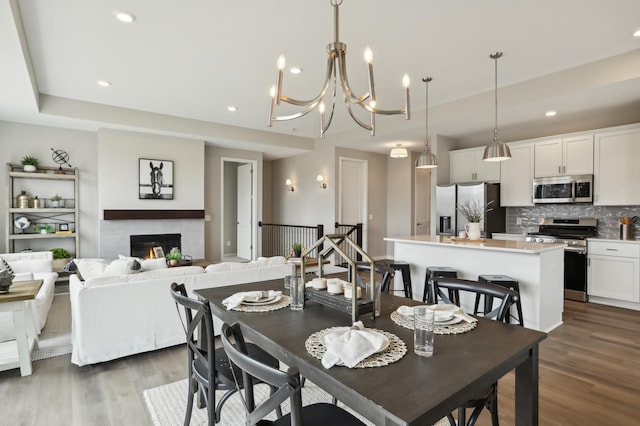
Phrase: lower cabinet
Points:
(614, 270)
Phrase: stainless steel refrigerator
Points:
(485, 194)
(446, 209)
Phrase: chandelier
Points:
(336, 69)
(496, 150)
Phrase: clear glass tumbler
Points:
(297, 293)
(423, 336)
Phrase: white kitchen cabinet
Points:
(466, 165)
(614, 270)
(565, 156)
(516, 176)
(617, 168)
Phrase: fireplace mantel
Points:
(152, 214)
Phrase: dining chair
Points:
(387, 273)
(489, 397)
(289, 387)
(209, 368)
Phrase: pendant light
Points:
(399, 152)
(427, 160)
(496, 150)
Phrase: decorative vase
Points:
(173, 262)
(29, 168)
(297, 253)
(473, 230)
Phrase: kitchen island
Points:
(538, 267)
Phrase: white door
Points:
(353, 194)
(245, 209)
(423, 202)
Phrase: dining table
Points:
(413, 390)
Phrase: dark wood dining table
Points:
(412, 391)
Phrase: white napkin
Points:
(249, 296)
(444, 313)
(350, 345)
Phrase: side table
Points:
(17, 353)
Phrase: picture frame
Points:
(63, 227)
(158, 252)
(155, 179)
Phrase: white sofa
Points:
(26, 267)
(119, 315)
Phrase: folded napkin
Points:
(350, 345)
(442, 313)
(248, 296)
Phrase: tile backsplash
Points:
(608, 225)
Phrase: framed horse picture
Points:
(155, 179)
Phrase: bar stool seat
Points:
(504, 281)
(438, 272)
(405, 268)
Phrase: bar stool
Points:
(405, 268)
(504, 281)
(438, 272)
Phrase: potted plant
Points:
(56, 201)
(173, 258)
(474, 212)
(297, 249)
(29, 163)
(60, 258)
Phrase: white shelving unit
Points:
(43, 183)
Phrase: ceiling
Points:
(177, 68)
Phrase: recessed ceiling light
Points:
(550, 113)
(126, 17)
(295, 70)
(232, 108)
(104, 83)
(636, 34)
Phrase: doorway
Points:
(422, 222)
(353, 197)
(239, 210)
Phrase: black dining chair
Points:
(289, 387)
(208, 367)
(488, 398)
(385, 271)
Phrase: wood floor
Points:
(589, 375)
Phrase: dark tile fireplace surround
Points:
(141, 245)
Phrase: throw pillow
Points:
(153, 264)
(217, 267)
(5, 266)
(90, 268)
(24, 276)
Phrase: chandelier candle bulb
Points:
(405, 83)
(281, 64)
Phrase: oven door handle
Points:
(580, 250)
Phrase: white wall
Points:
(18, 140)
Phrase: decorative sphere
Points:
(60, 156)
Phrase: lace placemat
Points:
(396, 350)
(282, 303)
(461, 327)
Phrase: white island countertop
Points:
(486, 244)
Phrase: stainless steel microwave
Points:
(563, 189)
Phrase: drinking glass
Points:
(423, 335)
(297, 293)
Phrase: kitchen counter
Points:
(538, 267)
(613, 240)
(488, 244)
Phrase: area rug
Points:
(55, 338)
(167, 405)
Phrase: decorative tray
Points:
(337, 301)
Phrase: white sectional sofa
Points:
(26, 267)
(129, 312)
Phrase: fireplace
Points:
(142, 245)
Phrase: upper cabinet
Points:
(516, 176)
(466, 165)
(616, 168)
(566, 156)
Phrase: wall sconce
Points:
(290, 186)
(321, 182)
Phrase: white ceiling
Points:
(180, 64)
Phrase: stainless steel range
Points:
(573, 233)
